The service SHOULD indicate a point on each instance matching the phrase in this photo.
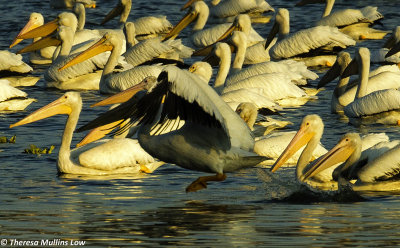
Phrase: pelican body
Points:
(214, 138)
(102, 158)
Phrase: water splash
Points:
(284, 189)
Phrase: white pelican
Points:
(111, 82)
(115, 156)
(353, 22)
(43, 56)
(310, 42)
(221, 140)
(380, 174)
(69, 4)
(204, 37)
(145, 27)
(12, 99)
(309, 134)
(384, 77)
(381, 106)
(227, 10)
(342, 61)
(15, 70)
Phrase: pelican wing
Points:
(187, 98)
(275, 86)
(8, 92)
(290, 67)
(146, 50)
(383, 80)
(321, 38)
(350, 16)
(152, 25)
(13, 62)
(123, 80)
(233, 8)
(115, 153)
(374, 103)
(386, 166)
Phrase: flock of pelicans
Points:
(169, 112)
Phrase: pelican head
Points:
(248, 112)
(281, 26)
(147, 84)
(311, 129)
(348, 147)
(198, 10)
(65, 19)
(35, 20)
(361, 60)
(342, 61)
(64, 105)
(64, 34)
(106, 43)
(202, 69)
(122, 9)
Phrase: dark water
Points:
(154, 210)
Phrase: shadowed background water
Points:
(154, 210)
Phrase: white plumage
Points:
(231, 8)
(203, 37)
(221, 141)
(116, 156)
(312, 41)
(113, 81)
(12, 99)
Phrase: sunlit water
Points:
(154, 210)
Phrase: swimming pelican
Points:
(227, 10)
(221, 140)
(204, 37)
(145, 27)
(69, 4)
(353, 22)
(379, 174)
(381, 106)
(42, 56)
(12, 99)
(310, 42)
(111, 82)
(115, 156)
(310, 133)
(384, 77)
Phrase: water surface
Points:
(154, 210)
